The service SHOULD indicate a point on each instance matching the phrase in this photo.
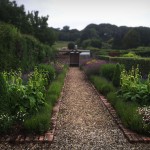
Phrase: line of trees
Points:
(107, 35)
(28, 23)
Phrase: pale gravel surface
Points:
(83, 122)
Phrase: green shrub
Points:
(55, 88)
(112, 98)
(102, 85)
(104, 57)
(48, 69)
(133, 89)
(38, 123)
(128, 113)
(116, 75)
(4, 107)
(144, 63)
(129, 116)
(130, 54)
(21, 51)
(71, 45)
(6, 122)
(107, 71)
(52, 98)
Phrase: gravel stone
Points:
(83, 122)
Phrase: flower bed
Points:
(130, 98)
(27, 107)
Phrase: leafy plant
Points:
(116, 75)
(6, 122)
(49, 70)
(92, 66)
(131, 54)
(102, 85)
(107, 71)
(40, 122)
(132, 87)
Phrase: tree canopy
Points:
(28, 23)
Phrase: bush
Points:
(38, 123)
(130, 54)
(71, 46)
(96, 43)
(48, 69)
(144, 63)
(6, 123)
(4, 107)
(133, 89)
(21, 51)
(91, 67)
(102, 85)
(116, 75)
(129, 116)
(107, 71)
(128, 112)
(112, 97)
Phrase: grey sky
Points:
(79, 13)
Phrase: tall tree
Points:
(131, 39)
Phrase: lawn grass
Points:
(60, 44)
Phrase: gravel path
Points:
(83, 122)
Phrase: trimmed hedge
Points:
(21, 51)
(143, 63)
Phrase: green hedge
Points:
(144, 63)
(103, 57)
(21, 51)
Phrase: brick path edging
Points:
(131, 136)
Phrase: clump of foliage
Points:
(107, 71)
(133, 88)
(48, 70)
(116, 75)
(28, 98)
(40, 122)
(131, 101)
(21, 51)
(91, 66)
(22, 100)
(71, 46)
(102, 85)
(131, 54)
(94, 43)
(28, 23)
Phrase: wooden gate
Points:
(74, 58)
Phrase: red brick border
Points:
(131, 136)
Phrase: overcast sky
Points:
(79, 13)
